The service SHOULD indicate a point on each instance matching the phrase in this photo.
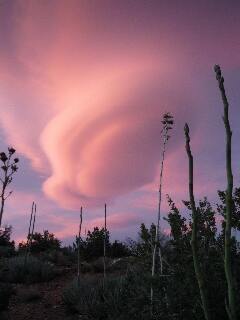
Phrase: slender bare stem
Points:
(104, 241)
(33, 226)
(79, 236)
(194, 240)
(231, 307)
(167, 125)
(29, 234)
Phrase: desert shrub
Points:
(91, 298)
(35, 270)
(92, 247)
(86, 267)
(7, 247)
(70, 252)
(118, 249)
(119, 298)
(42, 242)
(97, 265)
(6, 251)
(6, 292)
(56, 257)
(76, 297)
(122, 264)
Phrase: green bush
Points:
(35, 270)
(6, 292)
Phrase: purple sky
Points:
(83, 87)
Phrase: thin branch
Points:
(8, 195)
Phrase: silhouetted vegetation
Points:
(7, 247)
(42, 242)
(9, 167)
(194, 273)
(6, 291)
(14, 270)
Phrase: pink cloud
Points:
(85, 106)
(115, 221)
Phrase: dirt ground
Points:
(47, 305)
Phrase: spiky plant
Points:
(167, 123)
(194, 239)
(9, 167)
(231, 306)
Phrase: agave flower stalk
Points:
(30, 231)
(9, 167)
(167, 125)
(104, 241)
(194, 239)
(33, 226)
(231, 307)
(79, 236)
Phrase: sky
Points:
(83, 87)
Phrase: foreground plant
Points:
(231, 306)
(6, 291)
(167, 125)
(35, 270)
(78, 248)
(9, 167)
(117, 297)
(104, 241)
(194, 239)
(30, 231)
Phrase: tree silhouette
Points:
(9, 167)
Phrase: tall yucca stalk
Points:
(104, 241)
(167, 125)
(30, 231)
(33, 226)
(194, 239)
(231, 306)
(79, 237)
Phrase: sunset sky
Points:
(83, 87)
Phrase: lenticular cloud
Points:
(86, 113)
(104, 146)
